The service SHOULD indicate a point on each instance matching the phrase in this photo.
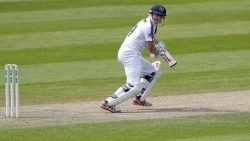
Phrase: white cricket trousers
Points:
(134, 64)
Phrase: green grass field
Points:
(226, 127)
(66, 51)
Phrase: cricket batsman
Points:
(141, 75)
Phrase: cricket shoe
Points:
(137, 101)
(111, 109)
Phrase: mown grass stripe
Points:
(232, 137)
(95, 36)
(188, 63)
(74, 13)
(227, 127)
(116, 11)
(202, 82)
(109, 51)
(208, 44)
(168, 84)
(205, 16)
(94, 23)
(34, 5)
(209, 6)
(67, 25)
(205, 29)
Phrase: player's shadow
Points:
(179, 110)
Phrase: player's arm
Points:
(151, 47)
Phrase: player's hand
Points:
(165, 54)
(161, 47)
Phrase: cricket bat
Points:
(169, 59)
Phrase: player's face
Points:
(158, 18)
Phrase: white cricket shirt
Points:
(142, 32)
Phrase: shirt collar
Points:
(151, 19)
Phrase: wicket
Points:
(11, 90)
